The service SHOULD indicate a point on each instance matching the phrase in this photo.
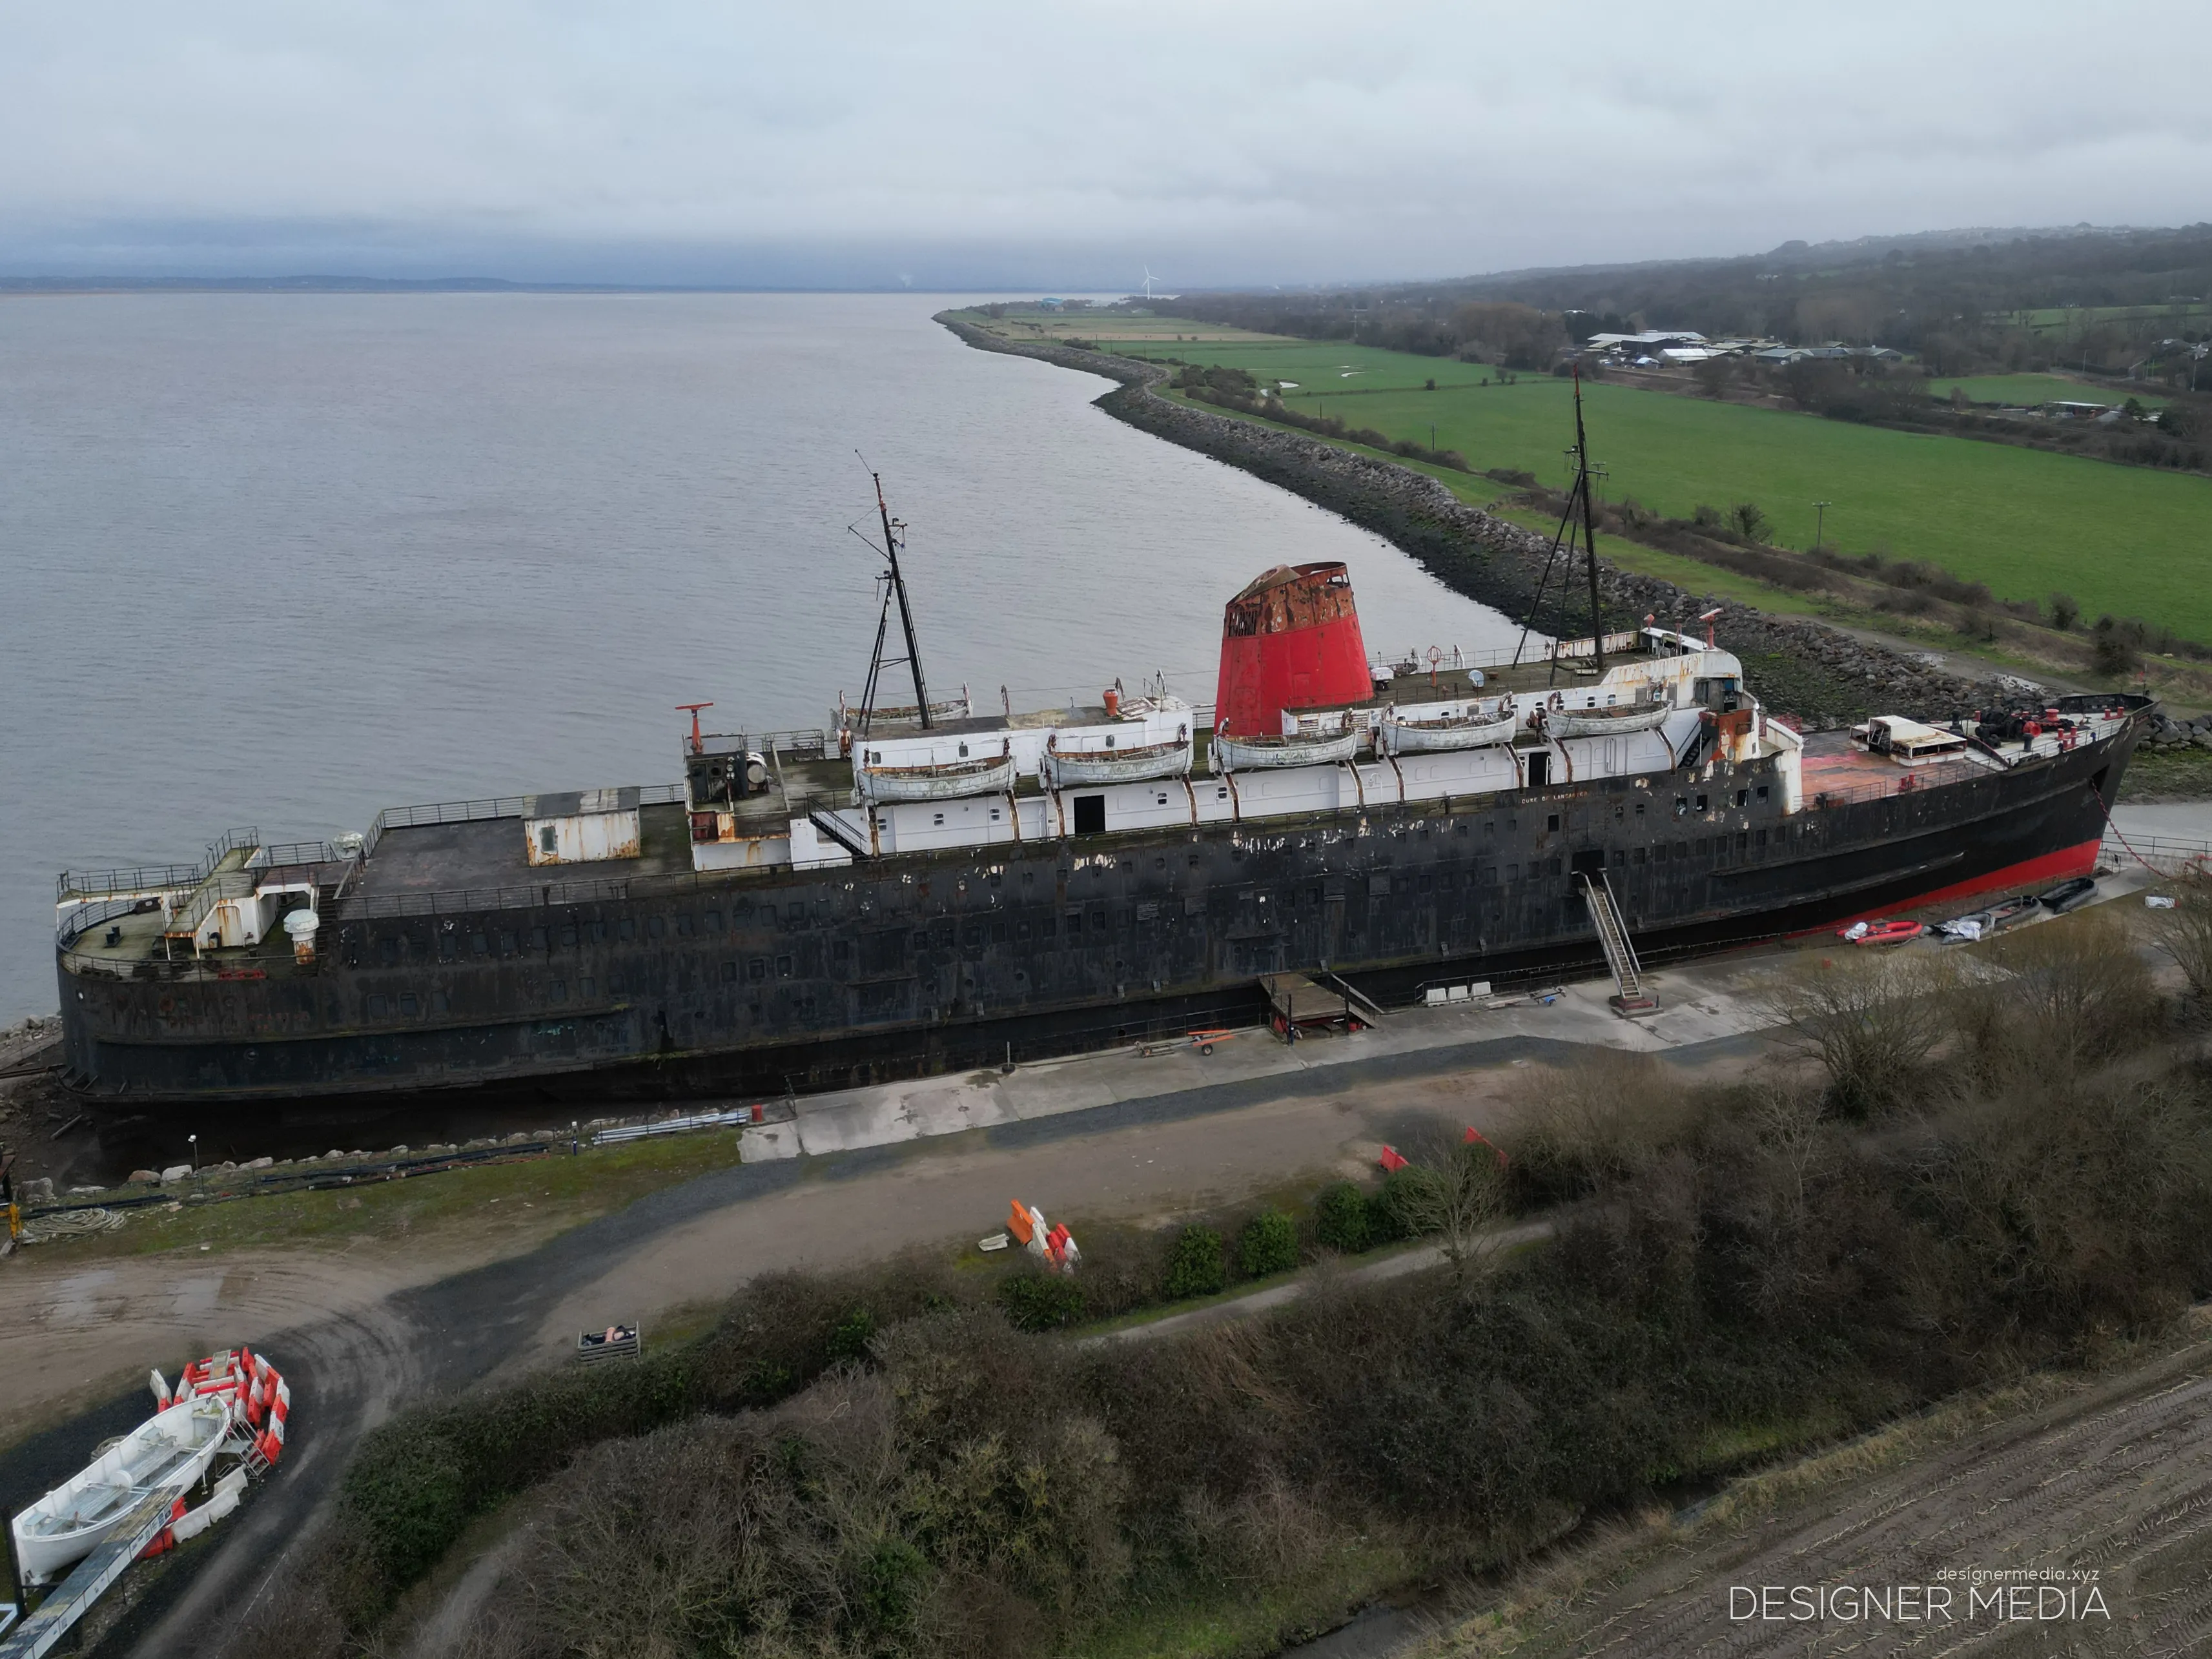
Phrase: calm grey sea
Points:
(286, 560)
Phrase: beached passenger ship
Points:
(808, 909)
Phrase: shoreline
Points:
(1832, 675)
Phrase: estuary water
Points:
(285, 560)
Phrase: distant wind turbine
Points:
(1148, 283)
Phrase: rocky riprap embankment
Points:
(2167, 733)
(1824, 676)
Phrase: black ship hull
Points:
(804, 980)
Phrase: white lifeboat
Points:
(172, 1448)
(1264, 754)
(233, 1403)
(1618, 720)
(943, 780)
(1063, 768)
(1404, 733)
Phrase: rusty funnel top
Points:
(1290, 640)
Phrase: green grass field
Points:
(2031, 389)
(2069, 319)
(2131, 541)
(1112, 329)
(1325, 369)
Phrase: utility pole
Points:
(1819, 518)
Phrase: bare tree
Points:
(1461, 1201)
(2186, 932)
(1872, 1023)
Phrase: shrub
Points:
(416, 1483)
(1403, 1208)
(2111, 651)
(1747, 521)
(2065, 612)
(2069, 995)
(1872, 1023)
(1195, 1266)
(1269, 1244)
(1595, 1121)
(1037, 1301)
(2185, 933)
(849, 1340)
(1340, 1218)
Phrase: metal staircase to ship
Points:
(1630, 999)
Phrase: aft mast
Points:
(1579, 495)
(1589, 523)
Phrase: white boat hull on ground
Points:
(172, 1448)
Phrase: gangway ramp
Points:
(1630, 999)
(92, 1577)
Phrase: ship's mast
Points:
(894, 587)
(1589, 523)
(1579, 495)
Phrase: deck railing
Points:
(77, 923)
(152, 878)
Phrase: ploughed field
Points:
(2111, 1489)
(2129, 541)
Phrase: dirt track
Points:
(2109, 1491)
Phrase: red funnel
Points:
(1290, 640)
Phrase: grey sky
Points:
(1065, 143)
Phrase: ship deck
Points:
(1837, 764)
(490, 852)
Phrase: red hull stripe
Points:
(2028, 872)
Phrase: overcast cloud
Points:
(1069, 145)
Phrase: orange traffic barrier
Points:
(1017, 1223)
(1473, 1134)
